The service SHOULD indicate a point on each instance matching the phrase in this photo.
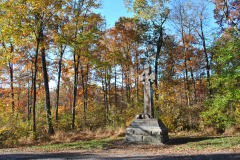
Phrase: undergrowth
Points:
(68, 137)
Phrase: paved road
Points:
(106, 154)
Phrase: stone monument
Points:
(145, 128)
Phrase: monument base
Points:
(149, 131)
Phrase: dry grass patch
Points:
(231, 131)
(120, 132)
(75, 136)
(209, 131)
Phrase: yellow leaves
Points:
(12, 128)
(148, 10)
(167, 92)
(71, 73)
(15, 59)
(169, 117)
(238, 109)
(3, 130)
(128, 122)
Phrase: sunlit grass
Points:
(210, 142)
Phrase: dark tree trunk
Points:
(186, 86)
(109, 87)
(206, 59)
(28, 115)
(86, 94)
(106, 105)
(87, 85)
(115, 86)
(194, 86)
(31, 94)
(11, 79)
(137, 84)
(34, 88)
(122, 92)
(76, 64)
(28, 100)
(19, 93)
(47, 95)
(11, 86)
(85, 90)
(159, 46)
(186, 79)
(58, 83)
(128, 86)
(84, 99)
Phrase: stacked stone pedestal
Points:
(150, 131)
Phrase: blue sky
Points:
(112, 10)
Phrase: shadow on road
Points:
(115, 157)
(184, 140)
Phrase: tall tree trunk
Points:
(86, 94)
(106, 105)
(137, 84)
(11, 86)
(58, 83)
(200, 86)
(181, 10)
(186, 86)
(128, 85)
(87, 85)
(104, 95)
(84, 99)
(109, 87)
(31, 94)
(103, 88)
(206, 59)
(11, 79)
(122, 92)
(46, 88)
(194, 86)
(159, 46)
(34, 88)
(28, 114)
(19, 93)
(186, 80)
(115, 86)
(85, 90)
(76, 64)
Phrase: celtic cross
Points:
(148, 78)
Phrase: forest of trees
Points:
(96, 68)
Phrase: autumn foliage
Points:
(62, 69)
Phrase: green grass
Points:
(103, 143)
(210, 142)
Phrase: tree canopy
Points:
(96, 68)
